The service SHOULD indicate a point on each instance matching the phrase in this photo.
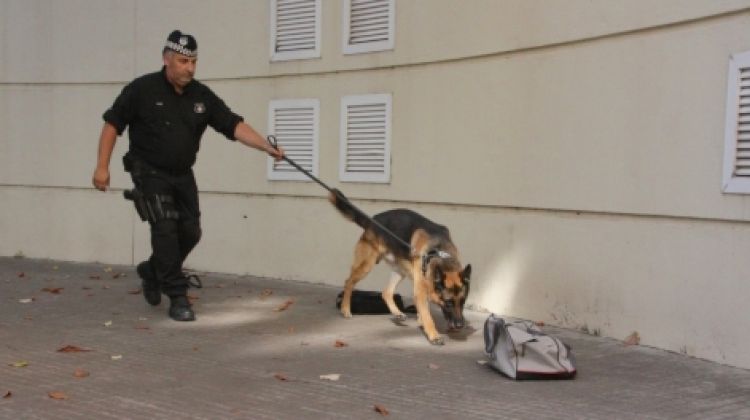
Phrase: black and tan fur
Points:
(444, 281)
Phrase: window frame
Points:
(730, 182)
(295, 55)
(386, 45)
(274, 104)
(367, 177)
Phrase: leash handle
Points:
(271, 139)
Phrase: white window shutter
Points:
(737, 132)
(369, 25)
(295, 124)
(365, 148)
(295, 29)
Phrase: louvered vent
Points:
(366, 138)
(295, 125)
(296, 29)
(742, 160)
(369, 25)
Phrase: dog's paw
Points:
(346, 314)
(437, 341)
(399, 320)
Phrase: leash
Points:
(274, 143)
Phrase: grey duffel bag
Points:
(520, 350)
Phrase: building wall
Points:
(574, 148)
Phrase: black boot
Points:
(180, 309)
(149, 283)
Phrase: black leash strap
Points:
(274, 143)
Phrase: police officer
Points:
(167, 112)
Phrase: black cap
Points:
(182, 43)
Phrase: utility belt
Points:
(150, 207)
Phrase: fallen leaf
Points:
(118, 275)
(433, 366)
(339, 343)
(266, 293)
(481, 362)
(28, 318)
(290, 330)
(55, 268)
(22, 274)
(108, 323)
(284, 306)
(134, 292)
(116, 357)
(53, 290)
(331, 376)
(108, 269)
(95, 277)
(57, 395)
(380, 409)
(80, 373)
(85, 288)
(142, 318)
(539, 323)
(633, 339)
(280, 376)
(19, 364)
(8, 394)
(29, 300)
(72, 349)
(142, 327)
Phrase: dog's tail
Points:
(347, 209)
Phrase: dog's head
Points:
(452, 289)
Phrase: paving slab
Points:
(260, 346)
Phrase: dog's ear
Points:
(466, 274)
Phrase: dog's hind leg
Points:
(365, 257)
(396, 278)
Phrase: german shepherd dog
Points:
(432, 263)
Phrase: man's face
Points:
(180, 68)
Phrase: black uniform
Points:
(165, 133)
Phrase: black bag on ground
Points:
(520, 350)
(366, 302)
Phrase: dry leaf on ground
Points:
(95, 277)
(53, 290)
(265, 293)
(118, 275)
(71, 349)
(433, 366)
(116, 357)
(331, 376)
(539, 323)
(142, 327)
(28, 300)
(80, 373)
(8, 394)
(21, 274)
(19, 364)
(284, 306)
(280, 376)
(633, 339)
(134, 292)
(57, 395)
(339, 343)
(380, 409)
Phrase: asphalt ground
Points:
(77, 341)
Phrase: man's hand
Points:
(276, 153)
(101, 179)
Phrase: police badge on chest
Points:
(199, 108)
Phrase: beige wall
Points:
(573, 147)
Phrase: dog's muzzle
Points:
(453, 314)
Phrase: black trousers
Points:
(171, 239)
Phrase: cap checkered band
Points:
(181, 49)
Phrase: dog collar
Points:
(430, 255)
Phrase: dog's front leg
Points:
(421, 295)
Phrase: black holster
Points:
(151, 207)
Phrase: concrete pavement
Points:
(260, 346)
